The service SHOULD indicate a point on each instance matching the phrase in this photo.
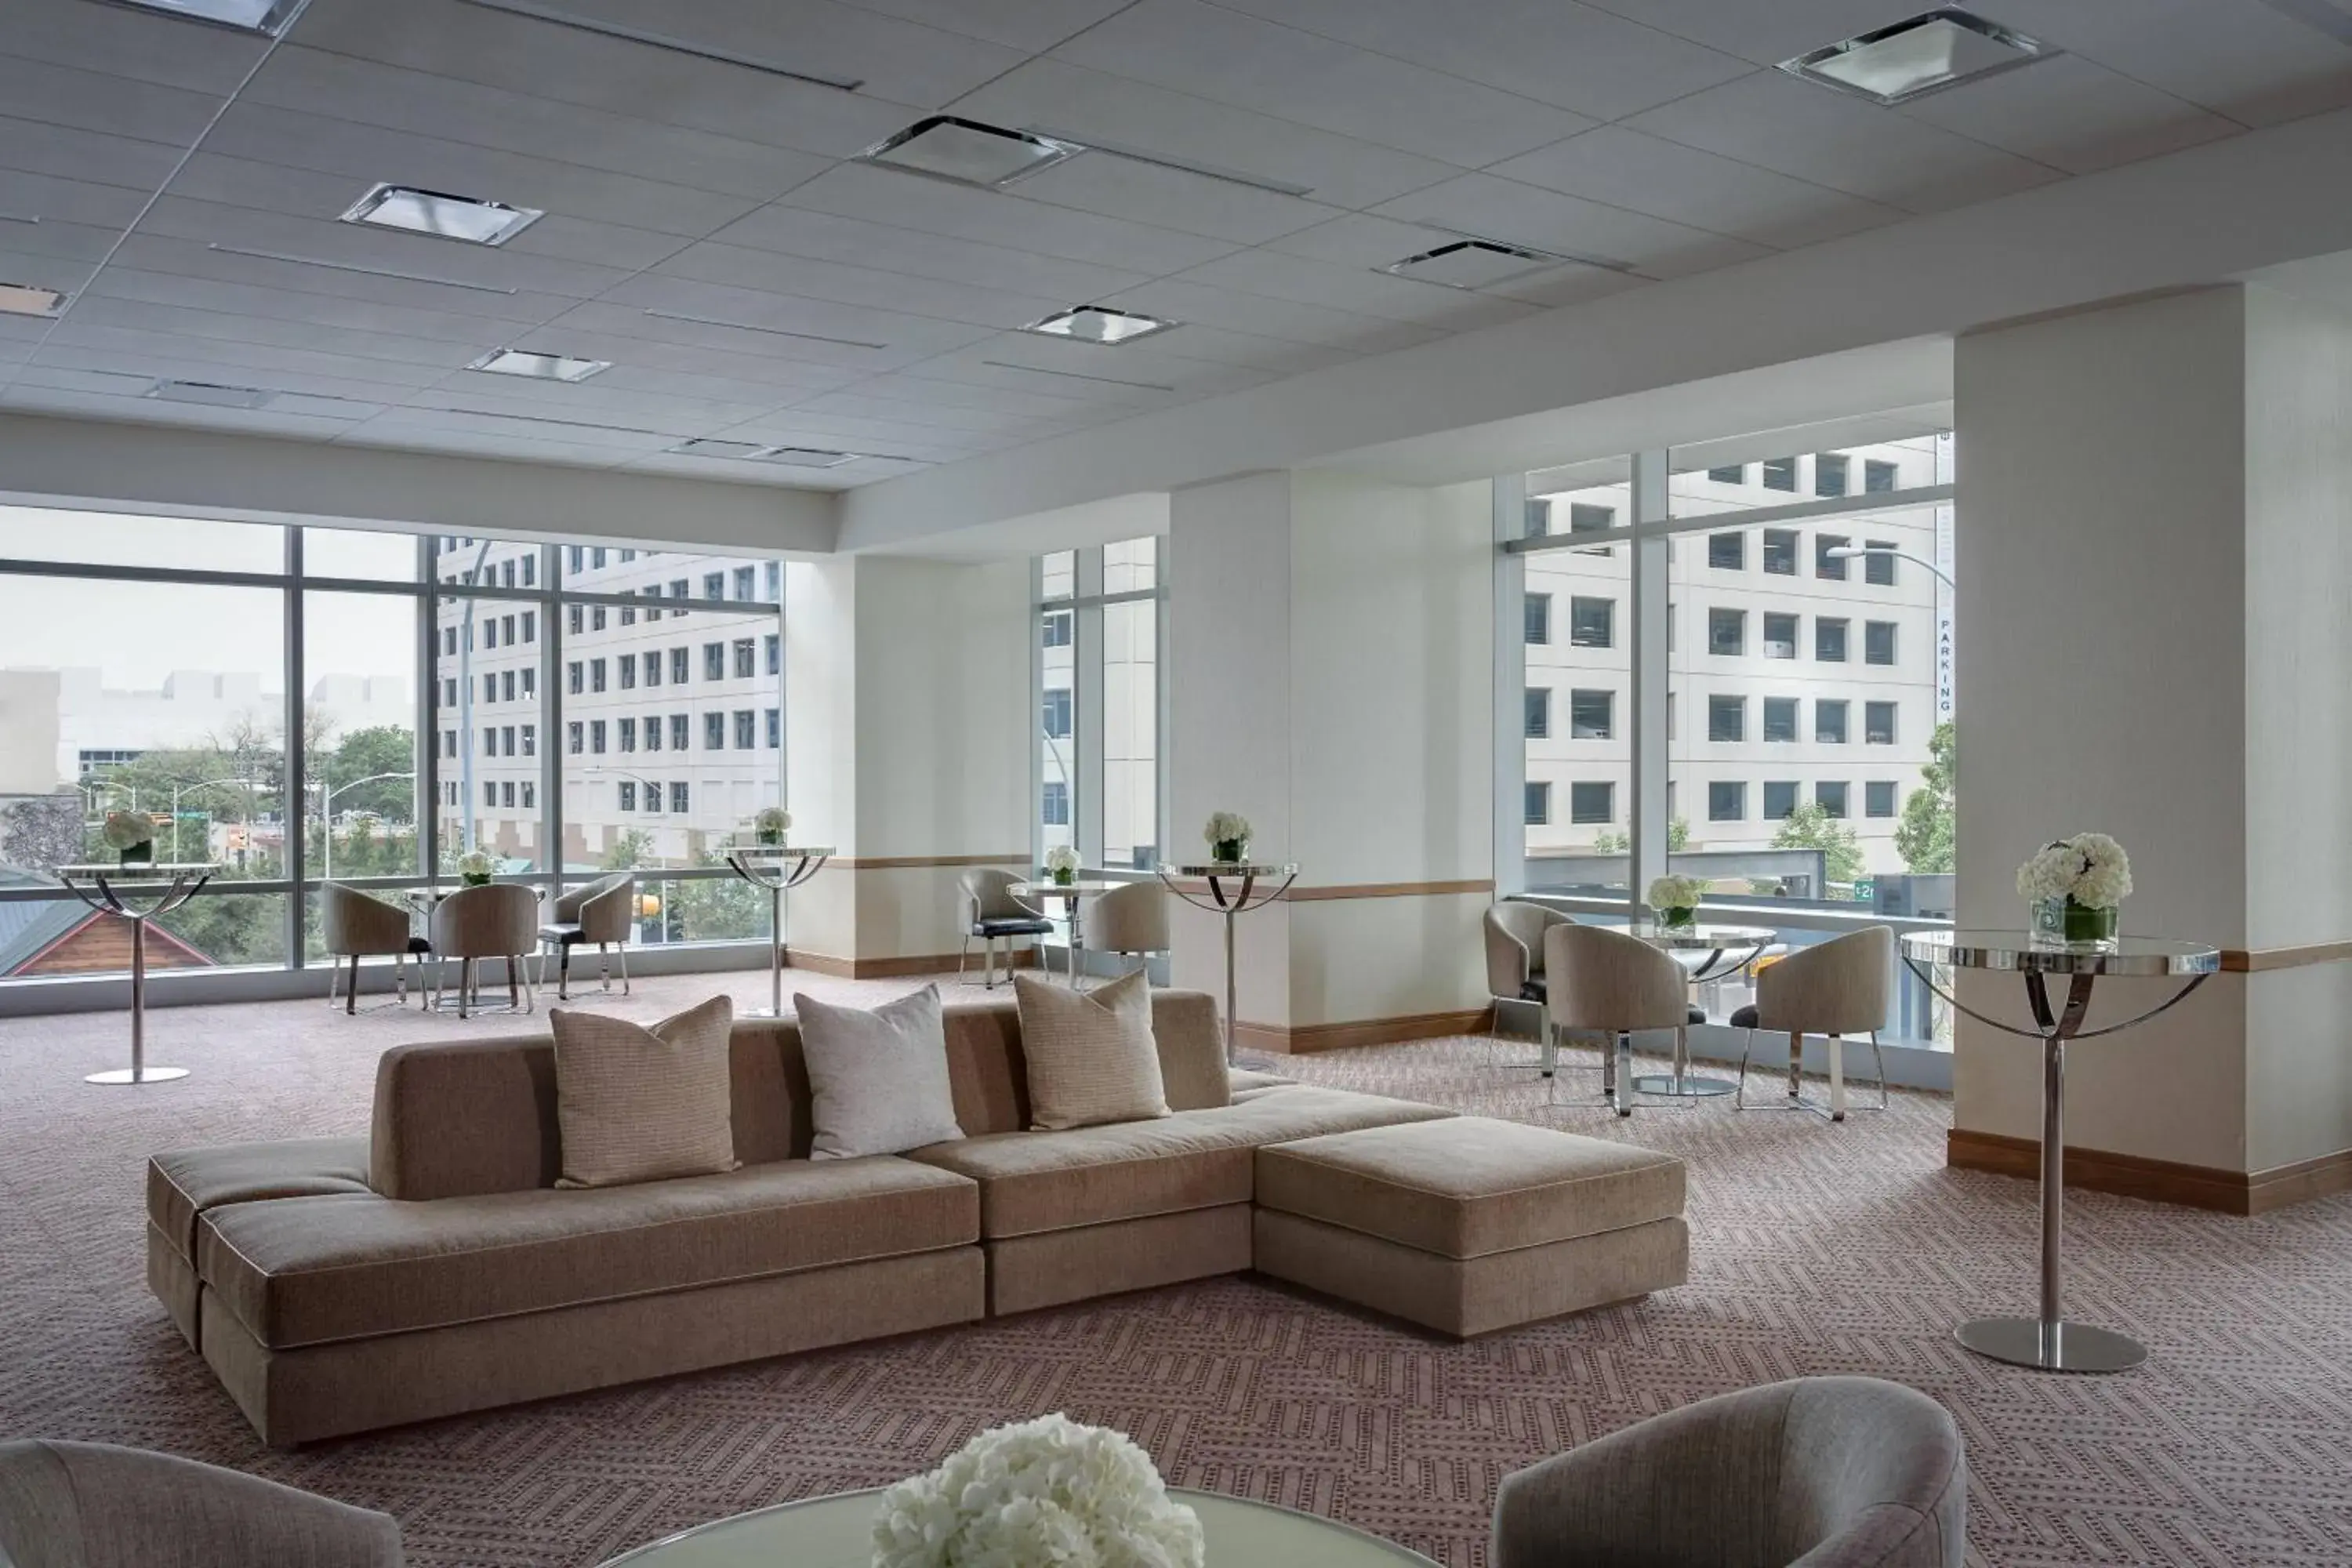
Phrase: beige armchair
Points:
(353, 926)
(601, 913)
(1603, 981)
(1836, 988)
(498, 919)
(986, 909)
(92, 1505)
(1514, 965)
(1829, 1472)
(1132, 921)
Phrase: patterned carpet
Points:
(1815, 1249)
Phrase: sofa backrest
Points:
(477, 1115)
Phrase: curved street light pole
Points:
(1850, 552)
(326, 794)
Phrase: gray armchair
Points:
(90, 1505)
(1822, 1472)
(1840, 988)
(353, 926)
(601, 913)
(986, 909)
(497, 919)
(1132, 921)
(1514, 959)
(1603, 981)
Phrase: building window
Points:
(1727, 800)
(489, 794)
(1826, 564)
(575, 618)
(775, 653)
(679, 725)
(449, 691)
(489, 741)
(1781, 552)
(1878, 798)
(628, 736)
(1829, 720)
(595, 617)
(573, 741)
(776, 580)
(1780, 474)
(1591, 715)
(714, 731)
(1539, 802)
(1536, 520)
(1780, 799)
(1831, 798)
(573, 558)
(575, 678)
(653, 795)
(1592, 623)
(1592, 801)
(714, 661)
(506, 739)
(529, 681)
(747, 729)
(1878, 723)
(595, 675)
(596, 557)
(1726, 718)
(490, 632)
(507, 685)
(1878, 566)
(1538, 712)
(530, 569)
(746, 656)
(530, 626)
(1829, 474)
(678, 657)
(1539, 617)
(745, 576)
(653, 669)
(714, 584)
(1877, 478)
(1583, 517)
(1056, 714)
(529, 789)
(677, 796)
(1727, 632)
(628, 614)
(1829, 638)
(1779, 634)
(1728, 552)
(1878, 642)
(529, 735)
(628, 673)
(1733, 474)
(776, 727)
(1779, 719)
(628, 798)
(1054, 811)
(654, 734)
(597, 737)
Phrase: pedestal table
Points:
(1728, 950)
(779, 868)
(104, 888)
(1235, 888)
(1071, 894)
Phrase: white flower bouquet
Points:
(1037, 1493)
(1062, 861)
(1228, 836)
(2074, 887)
(771, 824)
(474, 867)
(129, 833)
(1676, 898)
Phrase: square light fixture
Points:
(30, 300)
(1472, 264)
(1099, 325)
(709, 447)
(412, 210)
(807, 456)
(211, 394)
(538, 366)
(1918, 56)
(969, 152)
(268, 17)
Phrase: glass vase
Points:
(2062, 922)
(140, 854)
(1678, 917)
(1230, 851)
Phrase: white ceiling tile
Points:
(37, 147)
(781, 378)
(1162, 359)
(814, 358)
(90, 100)
(1568, 285)
(1356, 288)
(2072, 114)
(823, 236)
(1192, 46)
(185, 415)
(1764, 35)
(545, 60)
(430, 356)
(1554, 51)
(1174, 198)
(72, 241)
(898, 334)
(928, 391)
(836, 432)
(1810, 132)
(933, 420)
(1025, 362)
(463, 413)
(1024, 25)
(994, 217)
(156, 366)
(122, 281)
(163, 255)
(1507, 210)
(774, 476)
(67, 274)
(50, 198)
(591, 402)
(1057, 96)
(1359, 239)
(138, 344)
(370, 92)
(401, 431)
(121, 42)
(1646, 174)
(2238, 57)
(800, 277)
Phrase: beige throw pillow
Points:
(636, 1104)
(1092, 1057)
(878, 1079)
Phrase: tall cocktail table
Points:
(836, 1531)
(779, 868)
(105, 888)
(1235, 887)
(2049, 1341)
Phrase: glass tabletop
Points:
(2017, 951)
(837, 1532)
(778, 851)
(137, 870)
(1699, 938)
(1237, 869)
(1061, 889)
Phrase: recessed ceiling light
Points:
(442, 217)
(538, 366)
(706, 447)
(30, 300)
(1099, 325)
(1472, 264)
(1918, 56)
(268, 17)
(211, 394)
(969, 152)
(807, 456)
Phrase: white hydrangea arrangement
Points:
(1063, 862)
(1035, 1494)
(1677, 892)
(2090, 871)
(1227, 834)
(770, 825)
(475, 866)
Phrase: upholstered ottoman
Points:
(1468, 1225)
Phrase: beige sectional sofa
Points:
(339, 1285)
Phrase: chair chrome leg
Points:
(1624, 1084)
(603, 967)
(1837, 1078)
(399, 977)
(464, 985)
(1885, 1100)
(621, 955)
(1740, 1094)
(334, 975)
(563, 973)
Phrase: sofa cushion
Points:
(641, 1105)
(1470, 1187)
(1033, 1181)
(879, 1077)
(1091, 1056)
(300, 1271)
(183, 1184)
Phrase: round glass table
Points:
(779, 868)
(1706, 953)
(1234, 888)
(1071, 894)
(2048, 1340)
(836, 1531)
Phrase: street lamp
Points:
(1848, 552)
(180, 789)
(327, 793)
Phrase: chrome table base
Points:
(2060, 1346)
(95, 886)
(1682, 1085)
(764, 865)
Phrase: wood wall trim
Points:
(2158, 1181)
(1307, 1038)
(2261, 960)
(892, 968)
(1312, 895)
(921, 862)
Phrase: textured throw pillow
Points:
(878, 1079)
(1091, 1056)
(636, 1104)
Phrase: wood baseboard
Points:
(842, 968)
(2158, 1181)
(1308, 1038)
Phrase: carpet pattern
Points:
(1816, 1249)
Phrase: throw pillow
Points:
(1092, 1057)
(636, 1104)
(878, 1079)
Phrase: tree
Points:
(1926, 837)
(363, 755)
(1609, 841)
(1810, 826)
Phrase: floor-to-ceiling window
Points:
(1101, 703)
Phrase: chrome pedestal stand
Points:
(97, 886)
(779, 870)
(1254, 886)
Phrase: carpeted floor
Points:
(1816, 1249)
